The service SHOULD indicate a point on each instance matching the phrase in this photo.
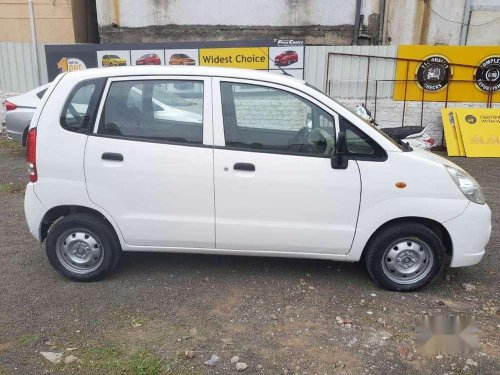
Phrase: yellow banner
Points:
(247, 58)
(436, 78)
(480, 130)
(472, 132)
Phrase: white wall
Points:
(486, 34)
(133, 13)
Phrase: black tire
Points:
(387, 237)
(98, 227)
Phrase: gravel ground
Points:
(164, 313)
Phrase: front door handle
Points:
(112, 156)
(244, 167)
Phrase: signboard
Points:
(472, 132)
(448, 73)
(272, 56)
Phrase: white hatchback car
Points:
(248, 163)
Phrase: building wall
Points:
(319, 21)
(54, 21)
(413, 22)
(226, 12)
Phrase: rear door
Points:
(149, 161)
(275, 189)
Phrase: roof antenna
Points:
(280, 68)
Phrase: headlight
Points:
(467, 185)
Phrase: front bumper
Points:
(470, 233)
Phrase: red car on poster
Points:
(148, 59)
(286, 58)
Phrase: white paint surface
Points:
(135, 13)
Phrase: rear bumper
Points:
(470, 233)
(34, 211)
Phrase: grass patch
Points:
(115, 360)
(26, 340)
(13, 187)
(11, 147)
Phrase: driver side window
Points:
(268, 119)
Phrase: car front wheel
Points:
(405, 256)
(82, 247)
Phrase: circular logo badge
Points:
(487, 74)
(471, 119)
(433, 73)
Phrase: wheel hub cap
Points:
(407, 261)
(79, 251)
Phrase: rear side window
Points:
(80, 109)
(154, 110)
(41, 93)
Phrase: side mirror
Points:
(339, 161)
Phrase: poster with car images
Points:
(147, 57)
(286, 57)
(113, 58)
(288, 54)
(181, 57)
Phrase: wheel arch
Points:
(433, 225)
(55, 213)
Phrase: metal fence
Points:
(17, 68)
(342, 70)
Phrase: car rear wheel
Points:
(82, 247)
(405, 256)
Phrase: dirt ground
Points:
(280, 316)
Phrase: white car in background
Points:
(280, 170)
(19, 112)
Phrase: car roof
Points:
(185, 71)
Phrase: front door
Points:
(275, 189)
(149, 162)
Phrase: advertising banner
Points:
(274, 56)
(448, 73)
(472, 132)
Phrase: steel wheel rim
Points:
(407, 261)
(79, 251)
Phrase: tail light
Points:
(430, 141)
(10, 106)
(31, 154)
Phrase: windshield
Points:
(401, 145)
(113, 57)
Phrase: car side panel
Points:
(60, 154)
(17, 121)
(382, 201)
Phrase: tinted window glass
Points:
(359, 144)
(154, 110)
(41, 93)
(79, 108)
(263, 118)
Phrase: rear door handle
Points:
(112, 156)
(244, 167)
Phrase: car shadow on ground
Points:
(140, 264)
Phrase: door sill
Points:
(258, 253)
